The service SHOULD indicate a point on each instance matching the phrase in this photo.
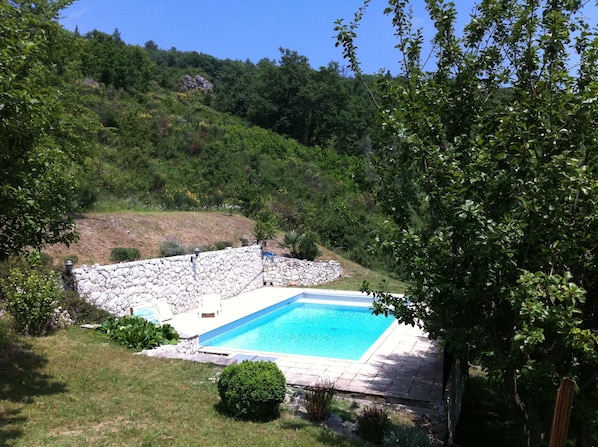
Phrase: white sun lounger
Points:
(211, 305)
(163, 310)
(158, 312)
(148, 312)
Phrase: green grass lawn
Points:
(75, 388)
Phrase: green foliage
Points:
(31, 297)
(301, 245)
(318, 400)
(492, 193)
(80, 311)
(221, 245)
(314, 107)
(42, 127)
(291, 241)
(252, 390)
(172, 247)
(373, 423)
(138, 333)
(123, 254)
(108, 60)
(307, 247)
(265, 226)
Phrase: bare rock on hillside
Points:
(197, 83)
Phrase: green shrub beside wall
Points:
(31, 298)
(137, 333)
(123, 254)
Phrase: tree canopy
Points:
(489, 172)
(39, 131)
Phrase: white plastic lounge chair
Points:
(163, 310)
(210, 305)
(148, 312)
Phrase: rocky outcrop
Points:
(197, 83)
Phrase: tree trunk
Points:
(526, 413)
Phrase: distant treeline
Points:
(315, 107)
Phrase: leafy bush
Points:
(80, 311)
(30, 297)
(122, 254)
(308, 248)
(171, 247)
(252, 390)
(372, 424)
(318, 400)
(291, 241)
(138, 333)
(265, 225)
(301, 245)
(221, 245)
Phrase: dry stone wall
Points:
(182, 280)
(283, 272)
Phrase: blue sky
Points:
(253, 29)
(241, 29)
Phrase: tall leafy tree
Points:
(39, 128)
(109, 60)
(489, 170)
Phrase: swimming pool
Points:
(319, 325)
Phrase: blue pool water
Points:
(305, 327)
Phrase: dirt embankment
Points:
(101, 232)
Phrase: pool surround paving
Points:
(404, 366)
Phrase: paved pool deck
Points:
(404, 368)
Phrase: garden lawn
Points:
(76, 388)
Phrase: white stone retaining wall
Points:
(283, 272)
(183, 279)
(180, 279)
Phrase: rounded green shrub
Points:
(31, 298)
(221, 245)
(172, 247)
(252, 390)
(123, 254)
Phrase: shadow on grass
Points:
(485, 418)
(325, 436)
(22, 379)
(223, 411)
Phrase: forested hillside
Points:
(277, 141)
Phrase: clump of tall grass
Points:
(318, 399)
